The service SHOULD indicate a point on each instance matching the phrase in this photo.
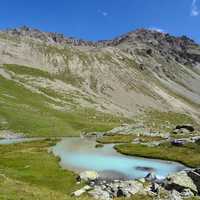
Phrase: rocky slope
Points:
(122, 77)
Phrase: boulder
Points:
(186, 128)
(89, 176)
(195, 176)
(179, 142)
(180, 181)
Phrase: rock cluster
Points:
(127, 129)
(114, 189)
(183, 141)
(185, 128)
(177, 186)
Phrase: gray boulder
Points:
(195, 176)
(179, 142)
(180, 181)
(89, 176)
(185, 129)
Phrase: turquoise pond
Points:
(80, 154)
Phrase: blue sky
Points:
(103, 19)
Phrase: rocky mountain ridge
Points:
(163, 42)
(144, 35)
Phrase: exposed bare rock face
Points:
(124, 76)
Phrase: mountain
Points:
(51, 84)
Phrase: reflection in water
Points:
(80, 154)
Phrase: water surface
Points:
(80, 154)
(18, 140)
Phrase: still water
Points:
(79, 154)
(17, 140)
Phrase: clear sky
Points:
(103, 19)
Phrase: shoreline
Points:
(117, 148)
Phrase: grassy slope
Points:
(29, 172)
(28, 112)
(188, 154)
